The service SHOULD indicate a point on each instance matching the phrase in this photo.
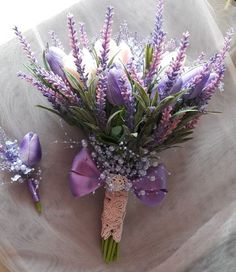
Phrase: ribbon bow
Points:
(84, 179)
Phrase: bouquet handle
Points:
(114, 210)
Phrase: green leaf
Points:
(183, 111)
(148, 56)
(83, 114)
(45, 61)
(116, 132)
(143, 94)
(74, 82)
(95, 55)
(108, 139)
(49, 109)
(112, 59)
(140, 101)
(111, 118)
(214, 112)
(92, 126)
(154, 101)
(138, 118)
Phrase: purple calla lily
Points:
(115, 85)
(30, 149)
(55, 59)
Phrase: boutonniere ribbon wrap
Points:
(134, 97)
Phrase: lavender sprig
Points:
(26, 46)
(176, 65)
(57, 83)
(51, 95)
(158, 43)
(133, 72)
(166, 126)
(83, 36)
(157, 56)
(128, 101)
(106, 37)
(213, 85)
(226, 46)
(158, 23)
(76, 50)
(101, 90)
(195, 80)
(55, 40)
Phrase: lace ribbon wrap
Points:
(114, 211)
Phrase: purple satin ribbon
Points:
(84, 179)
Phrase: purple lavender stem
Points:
(213, 85)
(55, 40)
(106, 37)
(198, 78)
(26, 46)
(101, 98)
(83, 36)
(76, 50)
(57, 83)
(128, 101)
(133, 73)
(158, 23)
(158, 43)
(157, 56)
(227, 41)
(53, 97)
(176, 66)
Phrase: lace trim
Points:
(113, 215)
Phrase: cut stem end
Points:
(110, 250)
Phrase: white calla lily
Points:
(121, 53)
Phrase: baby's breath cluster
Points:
(120, 160)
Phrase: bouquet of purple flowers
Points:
(134, 97)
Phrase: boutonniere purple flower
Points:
(134, 97)
(20, 161)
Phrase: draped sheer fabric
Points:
(194, 229)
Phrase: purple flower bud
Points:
(54, 57)
(116, 85)
(30, 149)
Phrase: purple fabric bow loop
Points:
(152, 188)
(84, 175)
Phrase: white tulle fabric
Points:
(192, 230)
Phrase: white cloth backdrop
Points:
(194, 229)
